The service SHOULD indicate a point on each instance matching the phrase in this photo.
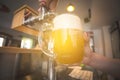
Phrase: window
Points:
(27, 43)
(92, 46)
(1, 41)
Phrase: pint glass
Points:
(63, 40)
(68, 39)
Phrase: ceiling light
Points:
(70, 8)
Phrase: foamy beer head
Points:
(68, 39)
(67, 21)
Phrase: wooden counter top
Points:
(18, 50)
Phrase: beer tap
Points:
(45, 15)
(44, 21)
(43, 9)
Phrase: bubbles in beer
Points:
(67, 21)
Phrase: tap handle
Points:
(50, 5)
(43, 2)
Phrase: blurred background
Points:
(100, 18)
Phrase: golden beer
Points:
(68, 39)
(68, 45)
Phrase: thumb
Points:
(86, 37)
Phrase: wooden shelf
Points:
(20, 15)
(18, 50)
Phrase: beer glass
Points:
(62, 39)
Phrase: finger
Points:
(86, 61)
(86, 37)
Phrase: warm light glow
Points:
(70, 8)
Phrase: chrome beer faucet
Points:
(45, 16)
(44, 21)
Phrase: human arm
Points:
(99, 62)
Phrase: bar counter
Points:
(16, 63)
(23, 64)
